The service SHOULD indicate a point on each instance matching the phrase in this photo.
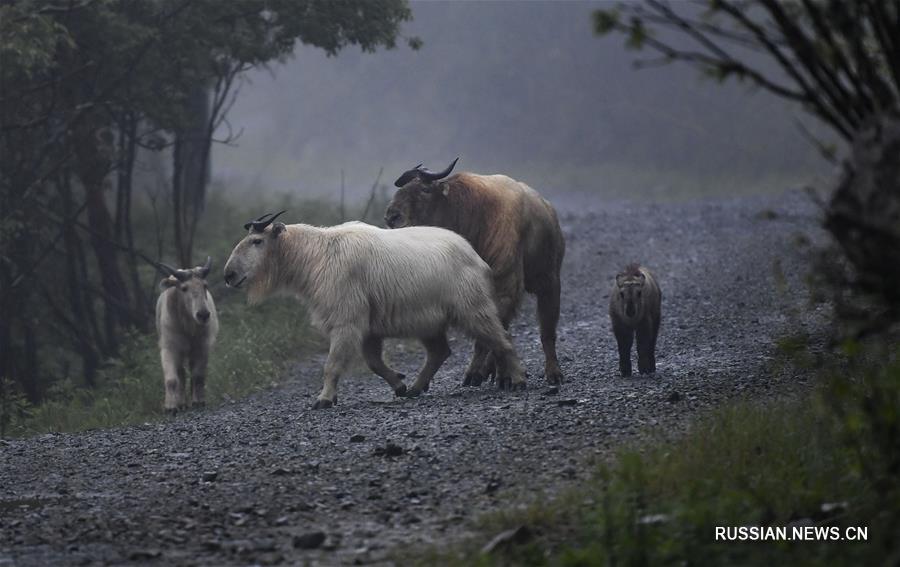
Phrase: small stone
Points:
(551, 391)
(280, 471)
(674, 397)
(833, 507)
(653, 519)
(210, 476)
(569, 402)
(389, 450)
(311, 540)
(144, 554)
(357, 438)
(506, 539)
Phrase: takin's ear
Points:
(278, 228)
(643, 278)
(168, 282)
(620, 280)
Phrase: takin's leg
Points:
(345, 343)
(624, 337)
(548, 318)
(646, 345)
(199, 362)
(438, 350)
(475, 373)
(484, 364)
(172, 374)
(485, 327)
(372, 350)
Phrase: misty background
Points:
(522, 88)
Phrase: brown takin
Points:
(635, 309)
(187, 324)
(511, 227)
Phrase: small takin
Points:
(635, 309)
(187, 324)
(363, 284)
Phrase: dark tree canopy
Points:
(86, 86)
(841, 60)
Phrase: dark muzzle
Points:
(393, 219)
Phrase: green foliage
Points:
(605, 21)
(254, 346)
(14, 407)
(92, 91)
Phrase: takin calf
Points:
(634, 308)
(512, 228)
(187, 324)
(363, 284)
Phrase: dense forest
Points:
(87, 87)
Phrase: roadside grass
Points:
(796, 461)
(255, 346)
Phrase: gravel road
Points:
(268, 481)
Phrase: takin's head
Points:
(192, 288)
(250, 253)
(417, 198)
(630, 287)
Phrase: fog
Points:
(523, 88)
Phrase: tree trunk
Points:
(94, 153)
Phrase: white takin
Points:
(187, 323)
(363, 284)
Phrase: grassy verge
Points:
(254, 346)
(803, 461)
(253, 349)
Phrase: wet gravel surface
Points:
(268, 481)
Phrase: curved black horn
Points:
(180, 275)
(204, 270)
(262, 222)
(423, 174)
(428, 175)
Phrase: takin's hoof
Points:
(400, 390)
(509, 385)
(554, 378)
(473, 379)
(415, 391)
(323, 404)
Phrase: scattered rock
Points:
(357, 438)
(389, 450)
(311, 540)
(210, 476)
(507, 539)
(653, 519)
(144, 554)
(834, 507)
(280, 471)
(569, 402)
(674, 397)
